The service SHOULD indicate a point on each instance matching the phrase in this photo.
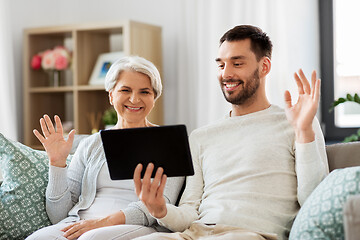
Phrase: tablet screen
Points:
(164, 146)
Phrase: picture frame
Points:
(102, 66)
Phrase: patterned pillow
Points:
(321, 216)
(22, 193)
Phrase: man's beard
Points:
(249, 89)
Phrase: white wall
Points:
(291, 24)
(164, 13)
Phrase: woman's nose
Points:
(134, 98)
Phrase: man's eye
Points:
(221, 66)
(238, 64)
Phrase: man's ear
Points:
(265, 66)
(111, 97)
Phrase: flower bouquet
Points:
(53, 61)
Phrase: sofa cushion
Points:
(321, 216)
(342, 155)
(22, 193)
(352, 218)
(77, 139)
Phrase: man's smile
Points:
(231, 86)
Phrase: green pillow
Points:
(22, 193)
(321, 216)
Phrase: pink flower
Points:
(58, 58)
(62, 58)
(48, 60)
(36, 62)
(61, 63)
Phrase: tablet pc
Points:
(164, 146)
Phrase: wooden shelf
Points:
(75, 99)
(50, 89)
(90, 88)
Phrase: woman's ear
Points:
(111, 97)
(265, 66)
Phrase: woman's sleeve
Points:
(64, 186)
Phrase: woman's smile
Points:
(133, 109)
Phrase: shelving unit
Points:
(74, 100)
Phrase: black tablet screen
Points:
(164, 146)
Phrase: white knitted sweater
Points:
(250, 173)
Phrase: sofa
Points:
(350, 156)
(328, 213)
(332, 211)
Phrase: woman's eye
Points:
(124, 90)
(145, 92)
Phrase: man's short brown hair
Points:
(260, 42)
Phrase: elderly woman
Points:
(81, 198)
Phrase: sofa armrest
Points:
(342, 155)
(352, 218)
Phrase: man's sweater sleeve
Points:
(311, 164)
(178, 219)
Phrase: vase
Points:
(54, 78)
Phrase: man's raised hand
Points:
(301, 115)
(150, 192)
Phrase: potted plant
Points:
(109, 118)
(349, 98)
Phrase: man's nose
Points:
(227, 72)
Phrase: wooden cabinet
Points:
(74, 100)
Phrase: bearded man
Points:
(254, 168)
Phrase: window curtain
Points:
(292, 26)
(8, 121)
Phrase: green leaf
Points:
(349, 97)
(337, 102)
(110, 117)
(356, 98)
(351, 138)
(340, 100)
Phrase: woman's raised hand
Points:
(151, 192)
(56, 147)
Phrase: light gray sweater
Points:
(73, 188)
(249, 173)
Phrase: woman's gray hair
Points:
(134, 63)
